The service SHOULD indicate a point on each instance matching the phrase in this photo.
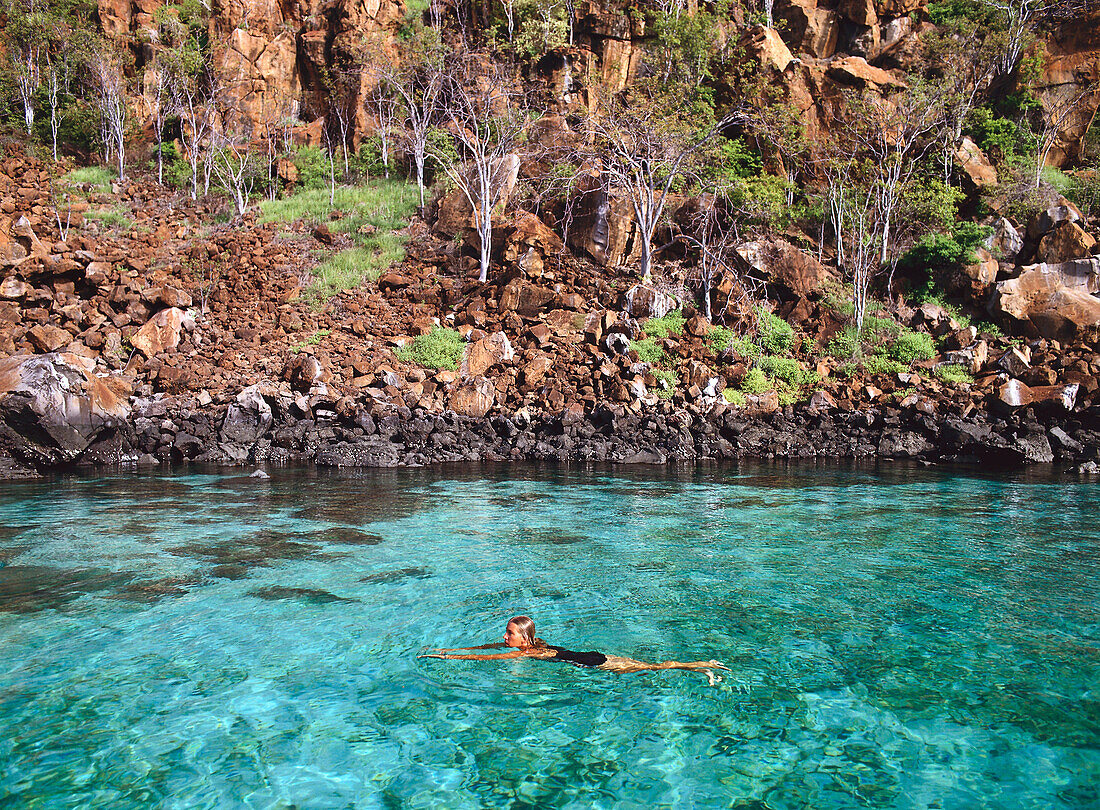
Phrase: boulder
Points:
(975, 165)
(1065, 242)
(48, 338)
(528, 232)
(1043, 222)
(809, 29)
(791, 272)
(854, 71)
(1052, 301)
(483, 354)
(526, 298)
(645, 301)
(473, 396)
(304, 371)
(765, 47)
(162, 331)
(249, 418)
(52, 406)
(1005, 241)
(535, 371)
(455, 215)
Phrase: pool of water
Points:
(899, 638)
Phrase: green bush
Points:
(880, 364)
(776, 335)
(670, 324)
(313, 168)
(743, 347)
(649, 351)
(439, 349)
(844, 344)
(734, 397)
(999, 138)
(910, 346)
(667, 380)
(718, 339)
(788, 370)
(954, 374)
(756, 382)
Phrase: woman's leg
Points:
(617, 663)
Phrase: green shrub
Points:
(743, 347)
(776, 335)
(439, 349)
(988, 328)
(313, 167)
(953, 374)
(114, 218)
(999, 138)
(875, 326)
(649, 351)
(845, 343)
(910, 346)
(880, 364)
(670, 324)
(787, 370)
(667, 380)
(755, 382)
(718, 339)
(734, 397)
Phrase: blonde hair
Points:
(526, 627)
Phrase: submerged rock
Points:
(312, 596)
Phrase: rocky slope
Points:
(168, 338)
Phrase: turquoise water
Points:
(899, 638)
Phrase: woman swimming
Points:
(520, 635)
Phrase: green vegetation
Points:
(114, 217)
(312, 340)
(755, 382)
(667, 380)
(953, 374)
(649, 351)
(776, 335)
(910, 346)
(881, 364)
(441, 348)
(670, 324)
(98, 176)
(788, 370)
(734, 397)
(370, 214)
(719, 338)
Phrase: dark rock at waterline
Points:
(550, 537)
(345, 535)
(387, 577)
(30, 588)
(309, 595)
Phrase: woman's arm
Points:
(528, 653)
(498, 645)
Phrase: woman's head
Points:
(520, 632)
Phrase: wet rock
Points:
(347, 536)
(31, 588)
(389, 577)
(53, 407)
(247, 419)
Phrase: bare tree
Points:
(486, 118)
(644, 146)
(26, 48)
(418, 80)
(1020, 17)
(1052, 118)
(111, 96)
(197, 116)
(381, 102)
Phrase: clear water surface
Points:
(899, 638)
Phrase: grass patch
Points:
(312, 340)
(954, 374)
(670, 324)
(991, 329)
(718, 339)
(110, 218)
(98, 176)
(371, 215)
(649, 351)
(441, 348)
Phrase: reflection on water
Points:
(900, 637)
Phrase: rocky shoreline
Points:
(268, 426)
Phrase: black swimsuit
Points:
(581, 659)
